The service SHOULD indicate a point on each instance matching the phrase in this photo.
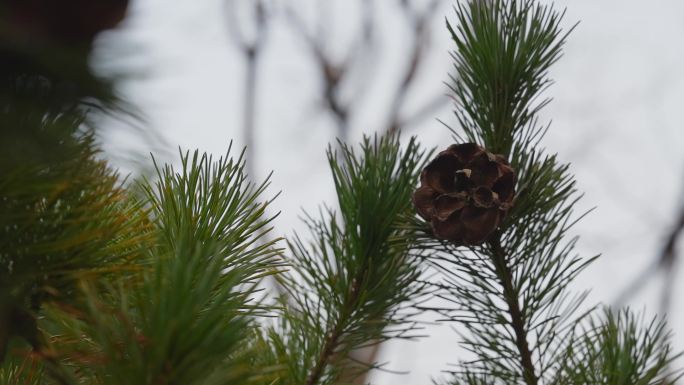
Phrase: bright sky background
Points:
(617, 116)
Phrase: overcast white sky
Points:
(617, 116)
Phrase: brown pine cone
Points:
(64, 21)
(465, 192)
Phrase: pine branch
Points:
(352, 285)
(64, 214)
(619, 347)
(511, 292)
(517, 318)
(333, 340)
(188, 316)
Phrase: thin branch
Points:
(664, 261)
(333, 74)
(251, 50)
(334, 336)
(518, 321)
(667, 259)
(420, 23)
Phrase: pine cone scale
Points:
(446, 204)
(438, 175)
(423, 200)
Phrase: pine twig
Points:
(334, 335)
(518, 322)
(360, 278)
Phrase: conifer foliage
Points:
(352, 282)
(163, 281)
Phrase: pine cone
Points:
(64, 21)
(465, 192)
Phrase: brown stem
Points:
(332, 340)
(505, 275)
(328, 349)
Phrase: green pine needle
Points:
(353, 281)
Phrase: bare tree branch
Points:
(420, 23)
(667, 259)
(251, 50)
(664, 261)
(332, 74)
